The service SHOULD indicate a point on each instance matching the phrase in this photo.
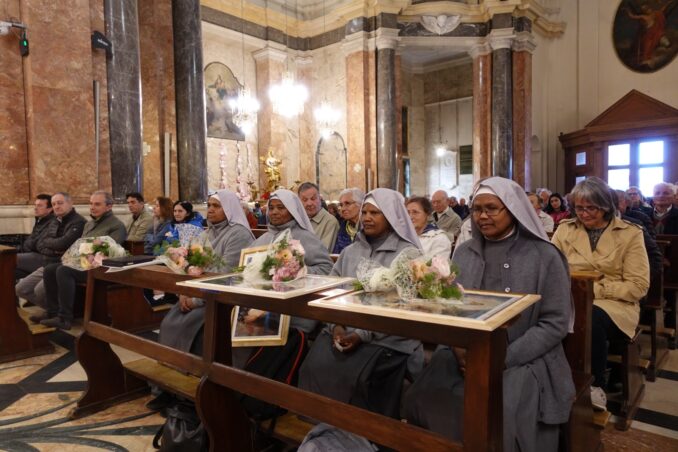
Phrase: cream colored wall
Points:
(578, 76)
(224, 46)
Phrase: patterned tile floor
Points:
(37, 394)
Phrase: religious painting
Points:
(478, 310)
(221, 86)
(645, 33)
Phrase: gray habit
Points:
(347, 376)
(537, 387)
(179, 329)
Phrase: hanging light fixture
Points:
(326, 116)
(244, 106)
(288, 97)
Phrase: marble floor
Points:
(37, 394)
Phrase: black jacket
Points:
(39, 229)
(60, 235)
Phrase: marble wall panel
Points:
(14, 187)
(450, 83)
(359, 121)
(97, 21)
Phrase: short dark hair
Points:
(423, 202)
(45, 197)
(136, 195)
(306, 185)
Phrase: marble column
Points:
(124, 96)
(360, 109)
(271, 127)
(523, 46)
(502, 110)
(190, 100)
(482, 111)
(387, 126)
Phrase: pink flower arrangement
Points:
(90, 252)
(285, 262)
(192, 259)
(435, 278)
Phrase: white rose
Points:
(86, 248)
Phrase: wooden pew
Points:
(582, 432)
(652, 314)
(670, 287)
(216, 400)
(18, 339)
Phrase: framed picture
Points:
(221, 86)
(479, 310)
(645, 33)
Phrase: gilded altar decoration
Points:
(272, 170)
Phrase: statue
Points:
(272, 170)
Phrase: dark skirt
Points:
(183, 330)
(369, 377)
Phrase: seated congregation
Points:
(505, 240)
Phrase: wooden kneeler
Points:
(633, 381)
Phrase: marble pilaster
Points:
(482, 112)
(271, 128)
(502, 111)
(190, 100)
(360, 110)
(386, 113)
(157, 84)
(307, 129)
(522, 109)
(124, 96)
(58, 97)
(14, 185)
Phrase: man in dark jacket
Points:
(28, 259)
(58, 234)
(60, 280)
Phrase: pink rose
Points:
(441, 266)
(194, 271)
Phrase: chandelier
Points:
(288, 97)
(326, 116)
(244, 108)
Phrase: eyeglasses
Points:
(490, 211)
(587, 209)
(346, 204)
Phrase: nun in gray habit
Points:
(228, 232)
(360, 367)
(508, 252)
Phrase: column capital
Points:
(480, 50)
(269, 53)
(501, 38)
(387, 38)
(524, 42)
(357, 42)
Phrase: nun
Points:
(285, 211)
(361, 367)
(228, 233)
(508, 252)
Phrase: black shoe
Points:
(160, 402)
(39, 317)
(57, 322)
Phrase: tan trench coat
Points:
(620, 255)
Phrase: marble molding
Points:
(124, 96)
(14, 185)
(190, 100)
(386, 119)
(522, 118)
(463, 30)
(157, 82)
(502, 113)
(58, 97)
(482, 116)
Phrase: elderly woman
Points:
(434, 241)
(508, 252)
(349, 205)
(162, 219)
(597, 240)
(357, 366)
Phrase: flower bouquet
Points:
(414, 277)
(89, 252)
(189, 255)
(283, 261)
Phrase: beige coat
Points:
(620, 255)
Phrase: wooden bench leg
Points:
(107, 381)
(224, 418)
(633, 385)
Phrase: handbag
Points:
(182, 431)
